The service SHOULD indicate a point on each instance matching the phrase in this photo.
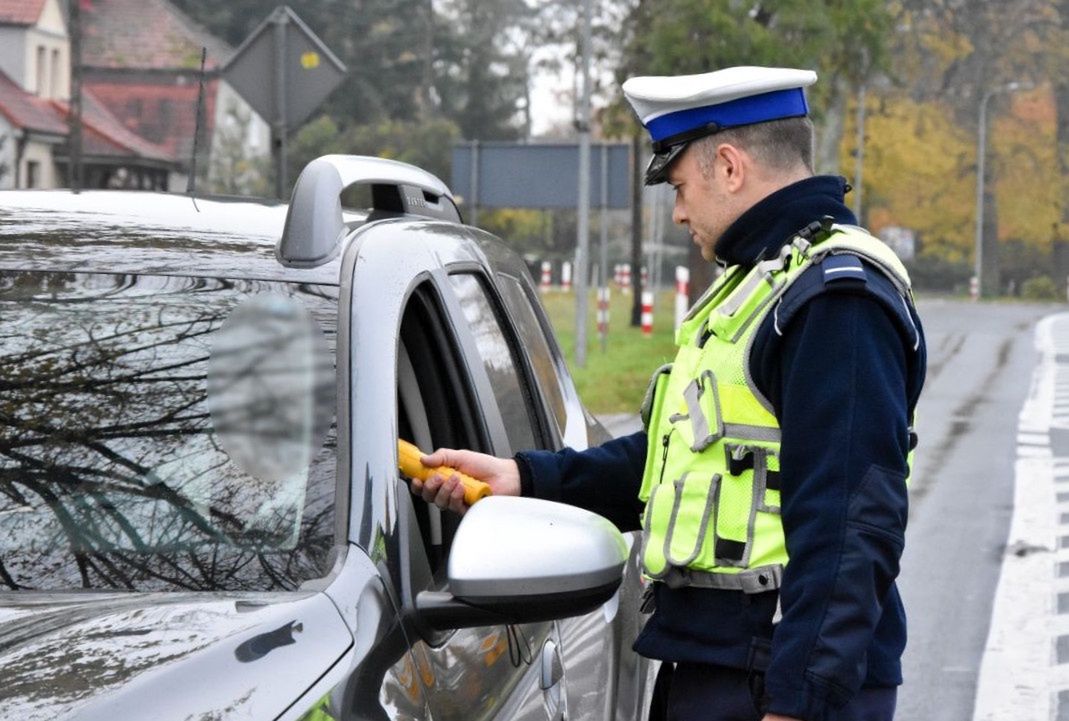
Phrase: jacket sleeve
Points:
(604, 479)
(839, 387)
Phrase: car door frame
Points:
(388, 262)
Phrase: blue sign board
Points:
(524, 175)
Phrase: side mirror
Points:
(521, 560)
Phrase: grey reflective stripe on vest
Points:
(702, 528)
(755, 580)
(731, 304)
(647, 400)
(742, 432)
(704, 434)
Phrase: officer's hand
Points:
(501, 474)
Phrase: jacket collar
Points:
(761, 230)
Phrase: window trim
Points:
(544, 435)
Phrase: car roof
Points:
(149, 233)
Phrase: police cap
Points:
(678, 109)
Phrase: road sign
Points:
(543, 175)
(284, 71)
(310, 70)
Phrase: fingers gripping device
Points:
(408, 460)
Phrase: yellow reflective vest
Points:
(711, 480)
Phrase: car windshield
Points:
(162, 433)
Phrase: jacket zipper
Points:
(664, 454)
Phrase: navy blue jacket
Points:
(842, 362)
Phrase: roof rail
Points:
(315, 228)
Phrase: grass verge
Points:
(613, 380)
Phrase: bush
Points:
(1042, 287)
(932, 273)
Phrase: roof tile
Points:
(146, 34)
(20, 12)
(161, 112)
(29, 111)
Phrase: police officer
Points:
(781, 432)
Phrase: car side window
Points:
(436, 407)
(514, 396)
(535, 344)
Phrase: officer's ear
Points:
(732, 165)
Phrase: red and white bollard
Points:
(603, 311)
(647, 313)
(625, 277)
(974, 288)
(547, 276)
(566, 276)
(682, 293)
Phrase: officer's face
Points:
(703, 202)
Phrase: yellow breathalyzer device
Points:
(408, 461)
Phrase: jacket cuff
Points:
(815, 700)
(539, 474)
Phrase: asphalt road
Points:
(980, 369)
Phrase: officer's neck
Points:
(770, 221)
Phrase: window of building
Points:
(41, 75)
(56, 90)
(33, 174)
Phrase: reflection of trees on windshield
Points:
(112, 474)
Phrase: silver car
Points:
(201, 515)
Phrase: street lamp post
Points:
(981, 151)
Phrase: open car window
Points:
(163, 433)
(436, 407)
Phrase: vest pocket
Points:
(678, 518)
(763, 464)
(703, 422)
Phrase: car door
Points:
(606, 679)
(459, 386)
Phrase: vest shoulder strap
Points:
(848, 273)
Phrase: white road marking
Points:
(1019, 675)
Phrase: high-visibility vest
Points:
(711, 480)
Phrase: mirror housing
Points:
(522, 560)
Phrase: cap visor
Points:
(657, 170)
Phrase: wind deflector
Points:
(315, 228)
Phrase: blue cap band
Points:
(777, 104)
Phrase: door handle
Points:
(552, 668)
(552, 673)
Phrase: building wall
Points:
(13, 53)
(240, 134)
(46, 55)
(40, 154)
(7, 155)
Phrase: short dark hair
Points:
(779, 144)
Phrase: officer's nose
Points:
(679, 213)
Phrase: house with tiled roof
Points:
(34, 112)
(141, 59)
(140, 84)
(34, 57)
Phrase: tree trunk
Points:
(701, 274)
(830, 136)
(1060, 251)
(424, 101)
